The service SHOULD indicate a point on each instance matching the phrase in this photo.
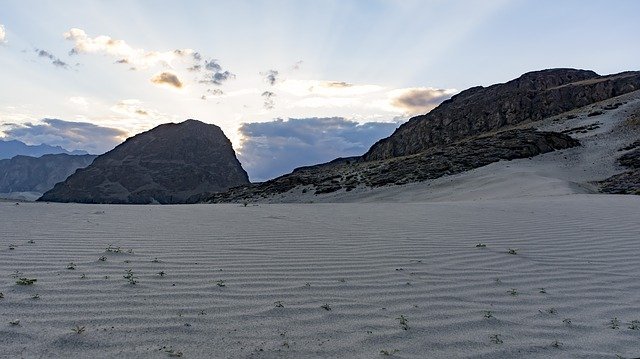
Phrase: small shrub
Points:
(513, 251)
(495, 338)
(634, 325)
(481, 245)
(78, 329)
(220, 283)
(71, 266)
(488, 314)
(278, 304)
(614, 323)
(404, 323)
(26, 281)
(325, 306)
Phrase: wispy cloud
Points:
(55, 61)
(269, 149)
(420, 99)
(168, 79)
(124, 53)
(134, 108)
(71, 135)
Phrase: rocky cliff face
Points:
(38, 174)
(531, 97)
(164, 165)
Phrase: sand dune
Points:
(279, 264)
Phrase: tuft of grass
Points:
(513, 292)
(71, 266)
(567, 321)
(278, 304)
(513, 251)
(31, 241)
(161, 273)
(552, 311)
(556, 344)
(1, 295)
(102, 259)
(174, 353)
(325, 306)
(543, 291)
(26, 281)
(220, 283)
(488, 314)
(481, 245)
(404, 323)
(495, 338)
(78, 329)
(35, 296)
(15, 322)
(634, 325)
(155, 260)
(388, 352)
(113, 249)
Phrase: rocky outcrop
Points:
(167, 164)
(531, 97)
(38, 174)
(349, 173)
(627, 182)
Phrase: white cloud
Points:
(3, 35)
(79, 102)
(303, 88)
(123, 52)
(134, 108)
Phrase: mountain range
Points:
(12, 148)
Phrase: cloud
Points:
(167, 78)
(125, 54)
(3, 35)
(271, 76)
(133, 108)
(269, 102)
(71, 135)
(55, 61)
(297, 65)
(270, 149)
(419, 100)
(80, 102)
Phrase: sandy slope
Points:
(371, 263)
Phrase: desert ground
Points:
(555, 276)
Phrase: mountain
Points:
(38, 174)
(9, 149)
(531, 97)
(166, 164)
(578, 111)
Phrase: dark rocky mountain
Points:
(38, 174)
(472, 129)
(12, 148)
(348, 173)
(166, 164)
(531, 97)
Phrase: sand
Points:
(371, 263)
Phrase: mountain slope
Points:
(166, 164)
(529, 98)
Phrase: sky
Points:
(291, 83)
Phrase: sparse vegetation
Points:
(495, 338)
(220, 283)
(71, 266)
(567, 321)
(488, 314)
(325, 306)
(15, 322)
(78, 329)
(130, 276)
(388, 352)
(404, 323)
(513, 292)
(278, 304)
(102, 259)
(174, 353)
(634, 325)
(35, 296)
(26, 281)
(161, 273)
(113, 249)
(513, 251)
(556, 344)
(481, 245)
(12, 247)
(614, 323)
(543, 291)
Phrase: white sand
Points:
(371, 263)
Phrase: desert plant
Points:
(614, 323)
(15, 322)
(12, 247)
(220, 283)
(1, 295)
(404, 323)
(513, 292)
(552, 311)
(161, 273)
(543, 291)
(495, 338)
(634, 325)
(174, 353)
(388, 352)
(155, 260)
(71, 266)
(567, 321)
(130, 276)
(31, 241)
(556, 344)
(102, 259)
(481, 245)
(35, 296)
(113, 249)
(513, 251)
(26, 281)
(83, 276)
(78, 329)
(278, 304)
(488, 314)
(325, 306)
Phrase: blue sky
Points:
(361, 61)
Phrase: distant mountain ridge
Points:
(12, 148)
(166, 164)
(39, 174)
